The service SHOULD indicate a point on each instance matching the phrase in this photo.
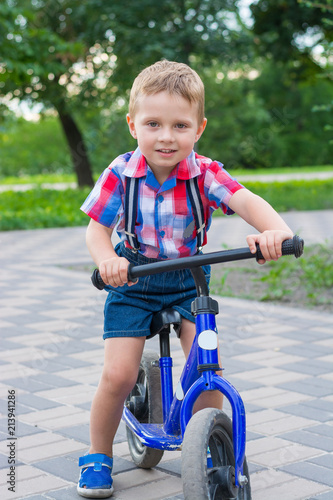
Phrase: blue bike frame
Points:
(177, 408)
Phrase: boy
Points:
(148, 193)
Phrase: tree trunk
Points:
(78, 150)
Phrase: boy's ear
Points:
(131, 126)
(201, 129)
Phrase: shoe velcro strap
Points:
(96, 460)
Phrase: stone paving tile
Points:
(310, 439)
(296, 489)
(322, 430)
(320, 404)
(302, 410)
(306, 350)
(131, 485)
(267, 479)
(284, 424)
(77, 432)
(79, 392)
(310, 386)
(281, 398)
(311, 367)
(286, 454)
(172, 466)
(59, 363)
(22, 428)
(324, 460)
(324, 496)
(67, 493)
(64, 467)
(310, 471)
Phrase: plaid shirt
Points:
(164, 224)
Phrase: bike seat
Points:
(162, 321)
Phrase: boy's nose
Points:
(166, 134)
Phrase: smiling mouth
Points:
(166, 151)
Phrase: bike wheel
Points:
(145, 402)
(211, 428)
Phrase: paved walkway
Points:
(279, 358)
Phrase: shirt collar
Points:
(186, 169)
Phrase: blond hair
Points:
(172, 77)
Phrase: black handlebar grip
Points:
(97, 280)
(130, 273)
(99, 283)
(293, 246)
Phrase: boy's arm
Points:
(259, 214)
(112, 268)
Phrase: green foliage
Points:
(295, 194)
(40, 208)
(290, 29)
(30, 148)
(313, 273)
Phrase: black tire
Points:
(213, 428)
(145, 402)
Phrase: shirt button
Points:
(162, 233)
(160, 199)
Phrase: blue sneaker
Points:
(95, 478)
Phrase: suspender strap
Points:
(131, 205)
(197, 209)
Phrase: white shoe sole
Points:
(95, 493)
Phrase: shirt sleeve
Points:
(220, 186)
(104, 203)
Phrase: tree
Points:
(291, 32)
(71, 55)
(47, 58)
(295, 39)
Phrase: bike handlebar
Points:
(293, 246)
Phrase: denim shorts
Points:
(129, 310)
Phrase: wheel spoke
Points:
(213, 491)
(218, 450)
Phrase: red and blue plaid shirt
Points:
(164, 223)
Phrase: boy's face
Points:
(166, 128)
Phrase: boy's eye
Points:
(181, 125)
(153, 124)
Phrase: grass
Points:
(38, 179)
(42, 208)
(282, 170)
(307, 281)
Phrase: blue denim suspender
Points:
(131, 207)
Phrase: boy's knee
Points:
(120, 379)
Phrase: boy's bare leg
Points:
(209, 399)
(120, 371)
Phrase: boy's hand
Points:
(114, 271)
(270, 243)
